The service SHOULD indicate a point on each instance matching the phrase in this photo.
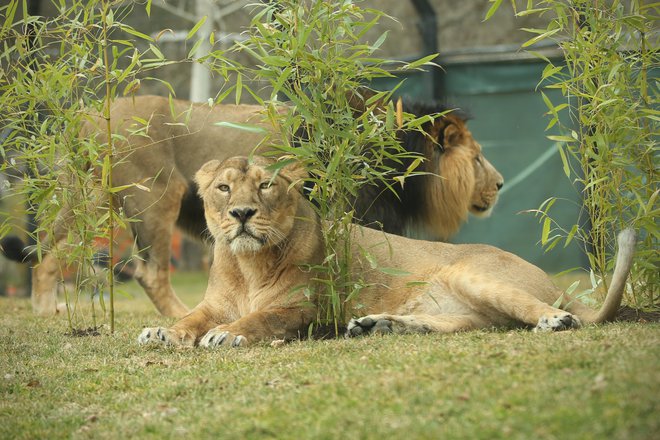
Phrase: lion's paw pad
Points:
(367, 326)
(153, 334)
(558, 322)
(214, 339)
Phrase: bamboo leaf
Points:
(546, 230)
(540, 37)
(564, 161)
(493, 8)
(239, 88)
(421, 62)
(393, 271)
(195, 28)
(252, 128)
(130, 30)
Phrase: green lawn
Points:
(598, 382)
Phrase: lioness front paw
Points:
(368, 325)
(557, 322)
(217, 337)
(156, 334)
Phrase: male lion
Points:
(178, 140)
(264, 230)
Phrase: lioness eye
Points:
(265, 185)
(224, 188)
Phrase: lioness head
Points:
(249, 207)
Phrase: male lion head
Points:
(456, 178)
(467, 182)
(249, 207)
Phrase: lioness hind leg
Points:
(502, 300)
(384, 323)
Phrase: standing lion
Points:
(180, 137)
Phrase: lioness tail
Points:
(624, 259)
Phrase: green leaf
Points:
(571, 234)
(493, 8)
(393, 271)
(564, 161)
(239, 88)
(194, 48)
(156, 52)
(252, 128)
(130, 30)
(195, 28)
(546, 230)
(560, 138)
(540, 37)
(380, 41)
(420, 62)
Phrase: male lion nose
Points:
(499, 185)
(243, 214)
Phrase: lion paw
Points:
(557, 322)
(368, 325)
(216, 337)
(158, 335)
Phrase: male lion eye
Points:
(223, 188)
(265, 185)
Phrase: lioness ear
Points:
(204, 177)
(295, 172)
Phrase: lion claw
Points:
(214, 339)
(157, 334)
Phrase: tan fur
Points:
(263, 233)
(181, 137)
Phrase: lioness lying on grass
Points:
(264, 230)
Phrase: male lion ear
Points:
(452, 135)
(206, 174)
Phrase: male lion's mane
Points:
(401, 209)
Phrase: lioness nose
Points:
(499, 185)
(243, 214)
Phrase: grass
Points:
(598, 382)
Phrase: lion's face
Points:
(468, 182)
(462, 152)
(247, 206)
(487, 180)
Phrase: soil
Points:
(630, 314)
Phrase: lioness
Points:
(264, 230)
(180, 137)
